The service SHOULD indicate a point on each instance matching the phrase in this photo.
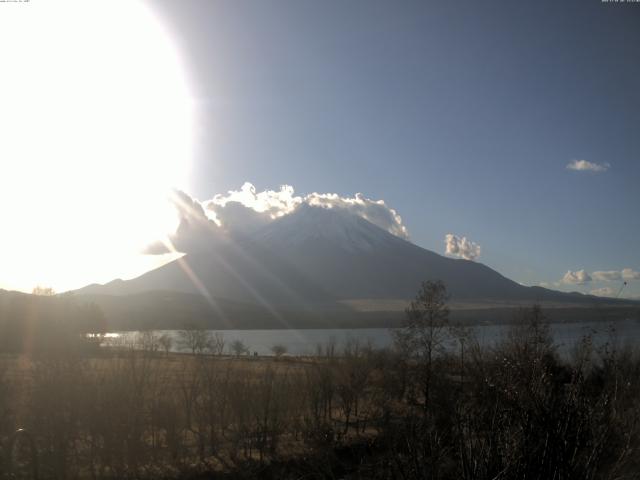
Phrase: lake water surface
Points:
(305, 342)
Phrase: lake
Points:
(305, 342)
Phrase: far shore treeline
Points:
(44, 321)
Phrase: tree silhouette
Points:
(424, 331)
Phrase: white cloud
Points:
(616, 275)
(235, 217)
(195, 231)
(584, 165)
(272, 203)
(245, 210)
(607, 276)
(461, 247)
(630, 274)
(375, 211)
(603, 292)
(579, 277)
(582, 277)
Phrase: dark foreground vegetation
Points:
(435, 406)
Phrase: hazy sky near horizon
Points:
(462, 116)
(504, 130)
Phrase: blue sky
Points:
(461, 115)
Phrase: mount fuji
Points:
(314, 267)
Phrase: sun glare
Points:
(95, 126)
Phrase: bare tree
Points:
(198, 341)
(238, 347)
(43, 291)
(166, 342)
(278, 350)
(328, 349)
(148, 341)
(217, 343)
(424, 331)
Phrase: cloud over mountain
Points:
(244, 211)
(580, 277)
(616, 275)
(195, 229)
(584, 165)
(607, 276)
(630, 274)
(461, 247)
(375, 211)
(603, 292)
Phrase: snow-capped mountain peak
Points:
(333, 227)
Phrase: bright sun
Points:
(95, 130)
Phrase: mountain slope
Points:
(308, 267)
(352, 258)
(230, 271)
